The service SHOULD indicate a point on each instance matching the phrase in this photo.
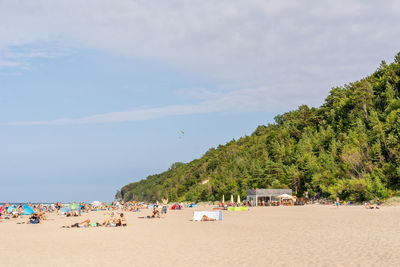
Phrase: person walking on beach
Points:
(337, 202)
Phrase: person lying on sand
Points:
(79, 225)
(369, 206)
(207, 219)
(155, 214)
(74, 213)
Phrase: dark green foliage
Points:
(349, 147)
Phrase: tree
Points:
(397, 58)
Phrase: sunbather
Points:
(121, 221)
(74, 213)
(205, 218)
(35, 219)
(111, 221)
(79, 225)
(156, 212)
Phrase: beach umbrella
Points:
(285, 196)
(64, 210)
(232, 199)
(74, 206)
(11, 209)
(96, 203)
(238, 201)
(28, 210)
(223, 198)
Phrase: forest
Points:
(348, 147)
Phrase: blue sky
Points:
(93, 93)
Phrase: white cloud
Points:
(19, 57)
(305, 47)
(259, 99)
(11, 63)
(234, 39)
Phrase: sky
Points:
(93, 93)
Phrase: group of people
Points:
(15, 211)
(37, 212)
(367, 205)
(370, 205)
(111, 221)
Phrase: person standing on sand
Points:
(164, 205)
(337, 202)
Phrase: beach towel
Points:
(238, 208)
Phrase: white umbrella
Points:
(232, 199)
(223, 198)
(96, 203)
(238, 199)
(285, 196)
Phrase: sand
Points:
(264, 236)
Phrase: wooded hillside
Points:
(349, 147)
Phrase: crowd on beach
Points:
(37, 213)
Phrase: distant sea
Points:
(23, 203)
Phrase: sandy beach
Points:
(281, 236)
